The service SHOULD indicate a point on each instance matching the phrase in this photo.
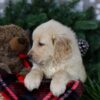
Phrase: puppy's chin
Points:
(40, 63)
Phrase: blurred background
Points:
(83, 16)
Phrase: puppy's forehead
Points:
(49, 29)
(40, 33)
(41, 37)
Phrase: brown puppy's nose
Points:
(22, 40)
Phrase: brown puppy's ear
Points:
(62, 47)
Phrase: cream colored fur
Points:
(56, 55)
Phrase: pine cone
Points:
(83, 46)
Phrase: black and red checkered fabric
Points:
(12, 89)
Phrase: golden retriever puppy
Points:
(56, 55)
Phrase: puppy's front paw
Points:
(57, 88)
(32, 82)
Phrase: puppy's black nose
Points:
(22, 40)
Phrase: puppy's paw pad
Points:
(31, 82)
(57, 88)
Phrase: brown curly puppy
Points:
(13, 40)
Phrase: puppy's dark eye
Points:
(41, 44)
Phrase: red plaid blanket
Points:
(12, 88)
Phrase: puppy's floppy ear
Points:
(62, 48)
